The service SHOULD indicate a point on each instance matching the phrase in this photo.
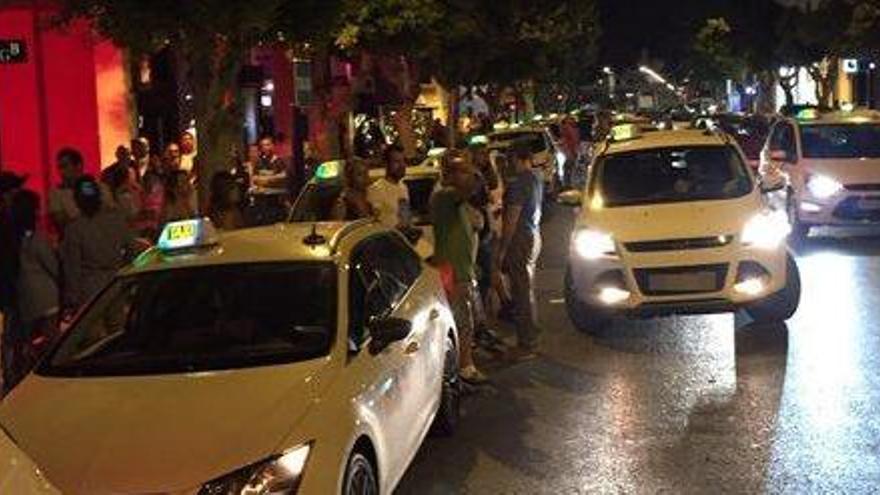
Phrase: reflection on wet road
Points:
(683, 405)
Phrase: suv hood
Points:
(157, 434)
(846, 171)
(674, 220)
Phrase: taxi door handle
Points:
(434, 314)
(412, 348)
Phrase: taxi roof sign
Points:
(188, 234)
(328, 170)
(625, 132)
(808, 114)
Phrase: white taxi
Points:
(307, 359)
(673, 222)
(545, 156)
(829, 166)
(18, 473)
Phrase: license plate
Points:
(869, 204)
(682, 282)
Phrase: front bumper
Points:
(729, 265)
(853, 206)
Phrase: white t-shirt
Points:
(386, 198)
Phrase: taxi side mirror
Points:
(572, 198)
(386, 331)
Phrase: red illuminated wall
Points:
(52, 100)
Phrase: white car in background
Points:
(674, 222)
(828, 165)
(545, 156)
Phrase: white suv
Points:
(829, 166)
(674, 222)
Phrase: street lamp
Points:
(652, 74)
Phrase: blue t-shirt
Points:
(526, 189)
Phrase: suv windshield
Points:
(535, 140)
(667, 175)
(841, 141)
(200, 319)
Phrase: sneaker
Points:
(472, 376)
(489, 340)
(521, 353)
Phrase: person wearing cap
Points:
(520, 246)
(91, 251)
(455, 246)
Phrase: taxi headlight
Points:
(823, 187)
(767, 230)
(592, 244)
(278, 474)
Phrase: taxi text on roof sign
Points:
(625, 132)
(187, 234)
(328, 170)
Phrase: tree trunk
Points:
(788, 83)
(214, 67)
(766, 94)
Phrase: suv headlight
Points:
(279, 474)
(592, 244)
(766, 230)
(823, 187)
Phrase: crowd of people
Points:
(486, 230)
(53, 263)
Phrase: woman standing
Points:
(93, 245)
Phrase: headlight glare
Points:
(276, 475)
(767, 230)
(823, 187)
(592, 244)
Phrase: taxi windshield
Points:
(202, 319)
(841, 141)
(320, 201)
(668, 175)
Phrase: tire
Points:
(782, 305)
(799, 230)
(585, 318)
(360, 476)
(449, 412)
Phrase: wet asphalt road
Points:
(682, 405)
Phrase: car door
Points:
(381, 285)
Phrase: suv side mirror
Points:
(386, 331)
(573, 198)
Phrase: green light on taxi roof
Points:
(328, 170)
(808, 114)
(187, 234)
(479, 140)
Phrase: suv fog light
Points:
(612, 295)
(751, 287)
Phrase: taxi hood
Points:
(157, 434)
(846, 171)
(674, 220)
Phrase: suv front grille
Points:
(679, 244)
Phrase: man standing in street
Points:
(188, 151)
(520, 247)
(389, 195)
(455, 248)
(62, 207)
(268, 203)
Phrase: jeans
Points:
(520, 265)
